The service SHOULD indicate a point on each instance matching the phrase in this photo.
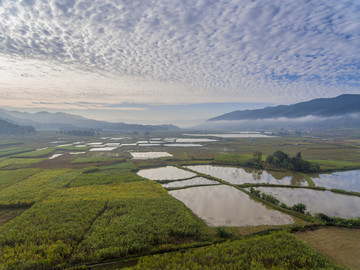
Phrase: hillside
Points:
(323, 107)
(55, 121)
(9, 128)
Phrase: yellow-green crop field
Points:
(88, 209)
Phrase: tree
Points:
(299, 207)
(257, 156)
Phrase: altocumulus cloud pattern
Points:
(179, 50)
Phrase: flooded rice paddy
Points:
(234, 135)
(349, 180)
(191, 182)
(149, 155)
(226, 206)
(238, 176)
(165, 173)
(326, 202)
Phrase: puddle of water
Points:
(149, 155)
(149, 144)
(102, 149)
(191, 182)
(63, 145)
(194, 140)
(238, 176)
(55, 156)
(349, 180)
(165, 173)
(95, 143)
(326, 202)
(142, 142)
(182, 145)
(226, 206)
(128, 144)
(112, 144)
(77, 153)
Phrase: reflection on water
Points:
(191, 182)
(238, 176)
(165, 173)
(316, 201)
(226, 206)
(349, 180)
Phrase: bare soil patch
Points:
(340, 245)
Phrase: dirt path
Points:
(340, 245)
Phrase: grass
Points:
(9, 213)
(29, 190)
(81, 160)
(8, 178)
(131, 226)
(12, 151)
(44, 236)
(275, 251)
(35, 154)
(18, 163)
(340, 245)
(332, 165)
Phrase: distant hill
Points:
(56, 121)
(12, 129)
(323, 107)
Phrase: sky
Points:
(175, 60)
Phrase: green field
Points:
(92, 209)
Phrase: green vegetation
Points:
(81, 160)
(105, 175)
(72, 148)
(297, 163)
(9, 128)
(340, 222)
(275, 251)
(46, 234)
(332, 165)
(35, 154)
(8, 178)
(137, 225)
(18, 163)
(95, 209)
(12, 151)
(29, 190)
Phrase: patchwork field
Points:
(83, 207)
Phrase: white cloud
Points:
(178, 51)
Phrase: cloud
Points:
(179, 51)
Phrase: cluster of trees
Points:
(7, 128)
(297, 163)
(338, 221)
(299, 207)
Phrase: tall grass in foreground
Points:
(275, 251)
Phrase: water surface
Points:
(165, 173)
(238, 176)
(326, 202)
(226, 206)
(149, 155)
(348, 180)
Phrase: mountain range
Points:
(56, 121)
(321, 107)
